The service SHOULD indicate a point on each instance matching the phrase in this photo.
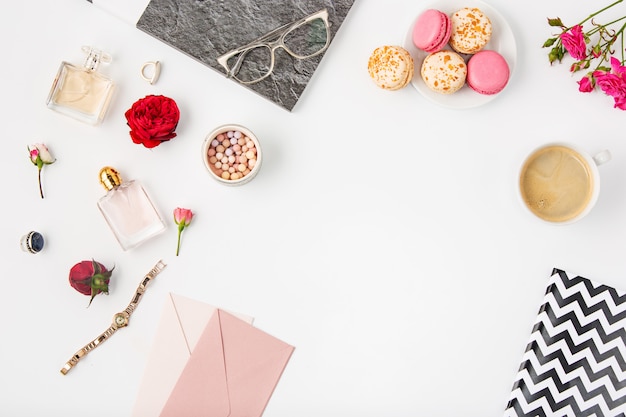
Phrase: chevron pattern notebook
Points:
(574, 364)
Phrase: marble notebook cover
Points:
(206, 29)
(574, 364)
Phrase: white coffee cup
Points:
(559, 183)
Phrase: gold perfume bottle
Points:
(82, 92)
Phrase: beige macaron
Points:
(444, 71)
(390, 67)
(471, 30)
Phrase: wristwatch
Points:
(119, 319)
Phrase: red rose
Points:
(90, 278)
(152, 120)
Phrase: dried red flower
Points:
(90, 278)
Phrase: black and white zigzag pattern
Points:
(574, 364)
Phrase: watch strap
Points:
(87, 348)
(156, 269)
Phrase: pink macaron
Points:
(487, 72)
(431, 30)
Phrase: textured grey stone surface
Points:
(206, 29)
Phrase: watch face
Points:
(120, 319)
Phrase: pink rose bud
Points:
(40, 156)
(182, 217)
(586, 84)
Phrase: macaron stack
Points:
(467, 32)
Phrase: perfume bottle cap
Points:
(95, 57)
(110, 178)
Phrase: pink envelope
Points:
(232, 372)
(183, 320)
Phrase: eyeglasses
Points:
(302, 39)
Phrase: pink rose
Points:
(613, 82)
(608, 82)
(620, 103)
(586, 84)
(574, 42)
(617, 67)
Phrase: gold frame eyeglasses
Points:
(266, 42)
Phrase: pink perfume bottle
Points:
(128, 210)
(82, 92)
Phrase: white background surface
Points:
(383, 237)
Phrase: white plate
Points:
(502, 41)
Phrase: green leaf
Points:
(96, 267)
(556, 54)
(596, 50)
(555, 22)
(548, 43)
